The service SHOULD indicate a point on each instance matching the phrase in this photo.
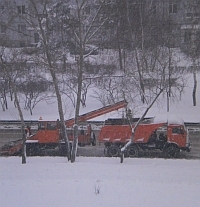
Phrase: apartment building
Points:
(14, 30)
(190, 26)
(178, 20)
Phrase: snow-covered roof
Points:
(168, 118)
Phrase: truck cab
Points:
(178, 135)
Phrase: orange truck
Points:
(48, 138)
(167, 136)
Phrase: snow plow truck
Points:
(48, 139)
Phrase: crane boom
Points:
(98, 112)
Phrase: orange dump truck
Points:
(168, 136)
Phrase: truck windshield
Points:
(177, 130)
(41, 126)
(51, 125)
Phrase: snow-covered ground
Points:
(99, 182)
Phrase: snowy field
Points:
(99, 182)
(48, 110)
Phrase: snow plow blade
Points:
(12, 148)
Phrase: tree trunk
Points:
(22, 126)
(194, 88)
(119, 49)
(78, 98)
(60, 110)
(140, 77)
(169, 81)
(78, 102)
(55, 82)
(120, 57)
(74, 143)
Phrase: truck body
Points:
(49, 138)
(169, 137)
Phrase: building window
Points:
(3, 28)
(173, 8)
(154, 9)
(36, 37)
(21, 9)
(22, 28)
(2, 8)
(66, 10)
(42, 16)
(112, 1)
(86, 10)
(187, 37)
(192, 15)
(135, 9)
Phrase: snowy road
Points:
(98, 151)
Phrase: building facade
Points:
(177, 20)
(14, 30)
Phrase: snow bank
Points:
(99, 182)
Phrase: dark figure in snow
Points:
(28, 131)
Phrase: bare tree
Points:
(41, 23)
(84, 25)
(33, 91)
(155, 74)
(12, 66)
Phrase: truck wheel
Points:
(105, 152)
(133, 151)
(113, 151)
(171, 152)
(32, 150)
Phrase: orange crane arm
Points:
(98, 112)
